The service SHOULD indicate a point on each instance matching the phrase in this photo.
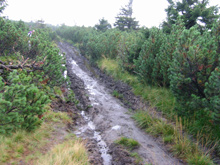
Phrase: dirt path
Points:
(109, 120)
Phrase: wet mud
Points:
(106, 118)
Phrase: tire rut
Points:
(108, 115)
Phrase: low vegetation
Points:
(170, 133)
(31, 147)
(176, 69)
(71, 152)
(128, 143)
(31, 82)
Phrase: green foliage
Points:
(71, 97)
(192, 12)
(147, 67)
(76, 34)
(8, 37)
(20, 103)
(129, 47)
(194, 74)
(124, 20)
(165, 55)
(53, 66)
(36, 66)
(103, 25)
(143, 119)
(103, 44)
(2, 5)
(116, 94)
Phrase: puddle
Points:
(103, 148)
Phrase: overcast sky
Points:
(86, 12)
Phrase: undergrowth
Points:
(128, 143)
(69, 153)
(164, 101)
(26, 147)
(173, 136)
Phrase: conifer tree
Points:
(103, 25)
(2, 5)
(192, 12)
(124, 20)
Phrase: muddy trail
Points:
(106, 119)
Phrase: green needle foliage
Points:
(146, 62)
(193, 12)
(165, 56)
(124, 20)
(30, 66)
(194, 74)
(20, 103)
(129, 47)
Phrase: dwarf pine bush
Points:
(20, 103)
(165, 55)
(129, 47)
(27, 73)
(194, 74)
(146, 62)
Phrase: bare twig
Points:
(10, 67)
(2, 62)
(4, 67)
(24, 62)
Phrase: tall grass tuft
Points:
(127, 143)
(69, 153)
(27, 146)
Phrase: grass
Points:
(165, 102)
(116, 94)
(161, 98)
(68, 153)
(29, 146)
(179, 144)
(128, 143)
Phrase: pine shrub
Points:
(129, 47)
(194, 75)
(20, 103)
(165, 55)
(146, 63)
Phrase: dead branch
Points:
(24, 62)
(5, 67)
(2, 62)
(32, 67)
(10, 67)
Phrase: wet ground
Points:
(108, 119)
